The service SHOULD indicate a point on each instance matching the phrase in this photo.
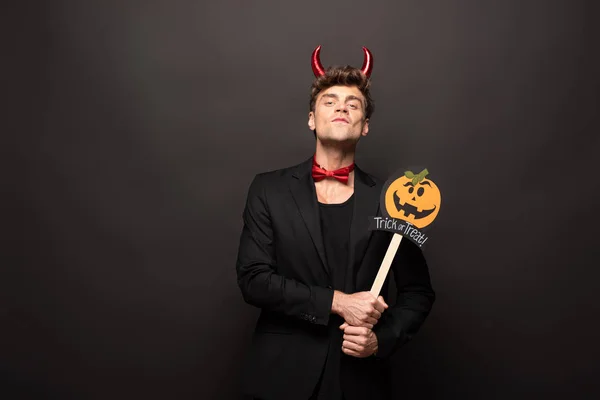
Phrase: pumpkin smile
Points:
(410, 209)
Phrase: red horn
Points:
(367, 66)
(317, 67)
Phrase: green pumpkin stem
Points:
(416, 178)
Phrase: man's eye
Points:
(353, 106)
(329, 102)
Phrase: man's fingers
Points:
(380, 305)
(376, 314)
(362, 340)
(347, 344)
(353, 349)
(369, 324)
(365, 325)
(382, 301)
(351, 352)
(357, 330)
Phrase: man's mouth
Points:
(408, 209)
(340, 120)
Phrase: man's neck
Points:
(332, 158)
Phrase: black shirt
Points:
(335, 228)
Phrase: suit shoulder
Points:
(277, 174)
(272, 174)
(273, 177)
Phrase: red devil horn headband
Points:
(318, 69)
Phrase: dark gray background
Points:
(134, 129)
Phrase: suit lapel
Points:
(305, 196)
(366, 204)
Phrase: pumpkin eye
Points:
(411, 189)
(420, 191)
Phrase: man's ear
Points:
(365, 129)
(311, 121)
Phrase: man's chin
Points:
(338, 137)
(340, 140)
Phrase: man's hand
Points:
(358, 309)
(358, 342)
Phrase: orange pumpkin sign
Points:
(413, 198)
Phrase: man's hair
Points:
(344, 76)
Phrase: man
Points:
(308, 260)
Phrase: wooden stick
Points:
(385, 264)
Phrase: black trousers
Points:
(315, 395)
(315, 392)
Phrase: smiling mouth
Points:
(408, 209)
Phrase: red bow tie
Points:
(341, 174)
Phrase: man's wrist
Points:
(336, 304)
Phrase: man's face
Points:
(339, 115)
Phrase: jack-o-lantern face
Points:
(414, 199)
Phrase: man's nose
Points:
(342, 107)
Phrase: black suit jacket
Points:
(282, 269)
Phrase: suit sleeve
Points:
(256, 267)
(415, 297)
